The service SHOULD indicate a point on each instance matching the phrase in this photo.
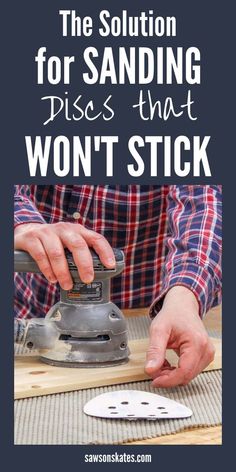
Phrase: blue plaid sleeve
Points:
(24, 209)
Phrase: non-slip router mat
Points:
(59, 419)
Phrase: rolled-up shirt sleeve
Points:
(194, 244)
(24, 209)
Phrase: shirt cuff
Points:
(26, 212)
(198, 279)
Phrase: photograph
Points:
(117, 324)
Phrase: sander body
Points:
(84, 329)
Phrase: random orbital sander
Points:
(84, 329)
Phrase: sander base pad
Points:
(84, 365)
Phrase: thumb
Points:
(155, 358)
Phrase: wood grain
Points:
(198, 436)
(34, 378)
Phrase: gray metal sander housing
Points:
(84, 328)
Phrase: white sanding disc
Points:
(135, 404)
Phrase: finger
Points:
(56, 255)
(169, 379)
(166, 364)
(81, 255)
(203, 353)
(181, 375)
(37, 251)
(165, 367)
(101, 246)
(159, 336)
(207, 357)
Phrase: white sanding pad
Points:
(135, 404)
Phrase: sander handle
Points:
(23, 262)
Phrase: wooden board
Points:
(34, 378)
(195, 436)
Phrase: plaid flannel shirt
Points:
(170, 234)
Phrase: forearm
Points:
(193, 245)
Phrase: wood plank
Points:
(213, 319)
(198, 436)
(34, 378)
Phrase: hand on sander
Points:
(84, 328)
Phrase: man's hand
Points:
(46, 243)
(178, 326)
